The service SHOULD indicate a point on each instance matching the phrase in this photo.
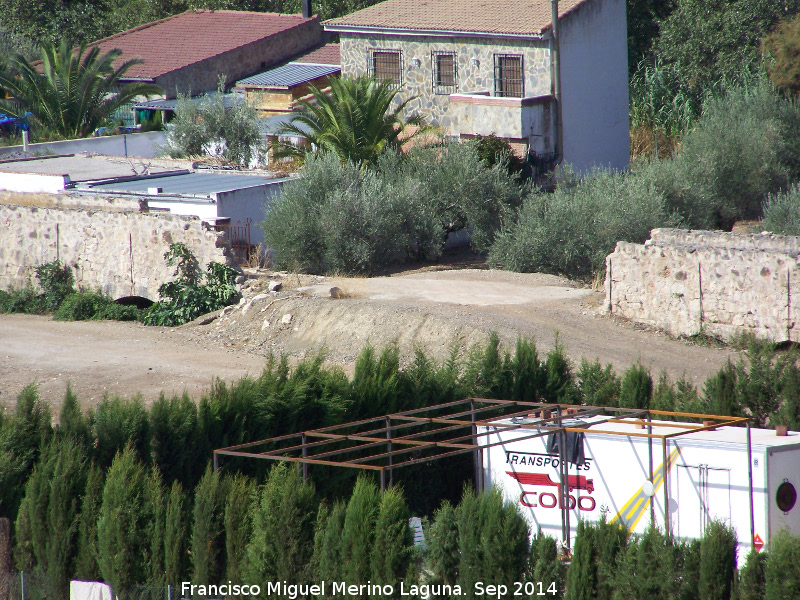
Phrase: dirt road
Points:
(431, 310)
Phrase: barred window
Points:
(445, 72)
(386, 65)
(508, 76)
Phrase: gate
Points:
(238, 236)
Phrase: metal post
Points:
(476, 454)
(750, 486)
(389, 448)
(565, 484)
(564, 531)
(169, 591)
(667, 524)
(305, 455)
(652, 477)
(383, 480)
(22, 584)
(216, 460)
(25, 140)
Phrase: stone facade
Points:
(475, 59)
(120, 252)
(716, 283)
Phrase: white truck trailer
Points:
(618, 469)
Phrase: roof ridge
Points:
(141, 27)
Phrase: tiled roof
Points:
(191, 37)
(326, 55)
(289, 75)
(499, 17)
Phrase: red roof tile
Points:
(191, 37)
(504, 17)
(326, 55)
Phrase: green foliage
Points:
(158, 506)
(208, 534)
(87, 567)
(493, 150)
(340, 217)
(782, 47)
(782, 212)
(356, 121)
(643, 20)
(125, 526)
(173, 439)
(117, 424)
(328, 546)
(582, 573)
(239, 508)
(391, 550)
(85, 306)
(545, 566)
(599, 386)
(753, 577)
(660, 101)
(358, 531)
(209, 127)
(176, 536)
(783, 567)
(572, 230)
(443, 553)
(57, 282)
(192, 293)
(79, 90)
(636, 388)
(720, 392)
(717, 562)
(50, 511)
(283, 521)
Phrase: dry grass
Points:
(643, 141)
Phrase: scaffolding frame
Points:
(445, 430)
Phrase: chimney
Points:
(306, 9)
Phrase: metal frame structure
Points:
(383, 444)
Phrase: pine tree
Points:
(358, 532)
(636, 388)
(717, 562)
(283, 522)
(176, 536)
(52, 508)
(391, 551)
(328, 557)
(546, 567)
(208, 534)
(238, 526)
(582, 573)
(125, 526)
(783, 567)
(443, 553)
(752, 577)
(87, 567)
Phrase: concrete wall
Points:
(472, 77)
(242, 62)
(122, 253)
(594, 85)
(33, 182)
(139, 145)
(721, 284)
(249, 204)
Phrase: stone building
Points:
(187, 53)
(477, 68)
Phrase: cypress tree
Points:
(690, 570)
(720, 392)
(391, 551)
(752, 577)
(504, 537)
(176, 536)
(358, 531)
(717, 562)
(783, 567)
(328, 557)
(119, 424)
(469, 520)
(158, 502)
(125, 526)
(582, 573)
(654, 573)
(72, 423)
(546, 567)
(52, 508)
(238, 526)
(174, 435)
(208, 535)
(636, 388)
(610, 541)
(443, 552)
(323, 515)
(625, 573)
(283, 522)
(87, 567)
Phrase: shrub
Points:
(782, 47)
(783, 567)
(57, 283)
(636, 388)
(572, 230)
(717, 561)
(85, 306)
(192, 293)
(782, 212)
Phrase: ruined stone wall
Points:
(716, 283)
(120, 252)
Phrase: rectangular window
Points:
(386, 65)
(508, 76)
(445, 72)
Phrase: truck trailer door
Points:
(703, 494)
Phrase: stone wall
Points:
(474, 66)
(716, 283)
(121, 252)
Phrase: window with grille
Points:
(445, 72)
(386, 65)
(508, 76)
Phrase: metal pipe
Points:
(476, 460)
(305, 455)
(389, 447)
(750, 486)
(667, 523)
(383, 480)
(216, 460)
(555, 56)
(652, 478)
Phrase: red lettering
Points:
(587, 507)
(549, 495)
(524, 502)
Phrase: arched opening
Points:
(137, 301)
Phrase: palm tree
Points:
(73, 94)
(355, 121)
